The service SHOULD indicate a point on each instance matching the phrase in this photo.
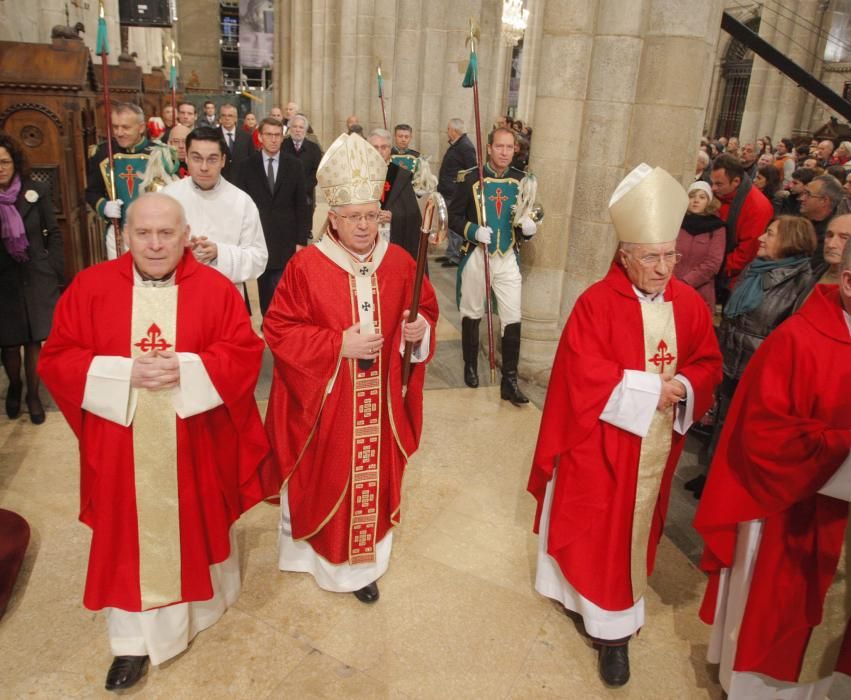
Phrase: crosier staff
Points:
(434, 229)
(102, 48)
(471, 79)
(172, 57)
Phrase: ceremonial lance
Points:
(102, 48)
(381, 94)
(434, 228)
(172, 57)
(471, 79)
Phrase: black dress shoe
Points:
(442, 258)
(125, 672)
(36, 410)
(13, 400)
(449, 263)
(367, 594)
(614, 664)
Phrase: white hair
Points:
(381, 133)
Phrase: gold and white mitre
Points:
(648, 206)
(351, 172)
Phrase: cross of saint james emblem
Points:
(153, 341)
(662, 356)
(129, 177)
(498, 199)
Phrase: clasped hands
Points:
(204, 250)
(360, 346)
(156, 371)
(673, 391)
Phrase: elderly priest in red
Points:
(153, 362)
(340, 427)
(636, 364)
(774, 512)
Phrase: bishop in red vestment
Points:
(153, 362)
(774, 512)
(340, 427)
(637, 362)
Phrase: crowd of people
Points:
(752, 257)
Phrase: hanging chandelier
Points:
(514, 21)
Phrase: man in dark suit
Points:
(399, 206)
(238, 141)
(461, 155)
(306, 152)
(276, 183)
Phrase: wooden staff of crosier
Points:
(471, 79)
(434, 229)
(381, 94)
(102, 48)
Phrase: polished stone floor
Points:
(458, 615)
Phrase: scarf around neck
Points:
(12, 229)
(696, 224)
(747, 295)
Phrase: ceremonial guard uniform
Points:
(408, 158)
(465, 217)
(130, 165)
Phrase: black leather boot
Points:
(510, 356)
(470, 346)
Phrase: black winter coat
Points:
(739, 337)
(29, 290)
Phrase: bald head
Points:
(156, 234)
(177, 139)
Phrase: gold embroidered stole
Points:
(154, 327)
(368, 403)
(826, 638)
(366, 431)
(660, 344)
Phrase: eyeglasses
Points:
(370, 218)
(653, 259)
(807, 193)
(6, 163)
(200, 160)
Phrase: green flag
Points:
(472, 74)
(102, 45)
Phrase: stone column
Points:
(620, 82)
(530, 63)
(774, 81)
(791, 101)
(760, 74)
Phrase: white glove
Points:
(529, 227)
(483, 234)
(112, 209)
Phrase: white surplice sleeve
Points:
(108, 393)
(196, 392)
(684, 410)
(421, 349)
(633, 401)
(246, 259)
(839, 485)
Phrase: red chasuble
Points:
(218, 452)
(341, 436)
(787, 432)
(595, 492)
